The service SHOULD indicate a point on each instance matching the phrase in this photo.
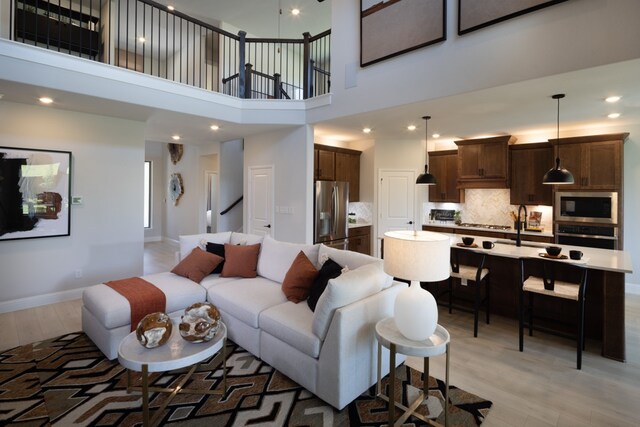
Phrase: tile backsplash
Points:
(488, 206)
(363, 211)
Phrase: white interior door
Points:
(260, 195)
(396, 200)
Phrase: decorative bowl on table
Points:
(154, 330)
(200, 322)
(553, 250)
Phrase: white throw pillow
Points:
(349, 259)
(244, 239)
(276, 257)
(191, 241)
(345, 289)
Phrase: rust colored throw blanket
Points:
(144, 297)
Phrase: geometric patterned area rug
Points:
(67, 381)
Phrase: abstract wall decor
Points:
(476, 14)
(392, 27)
(34, 193)
(175, 152)
(176, 188)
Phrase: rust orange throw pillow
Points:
(197, 264)
(240, 260)
(298, 280)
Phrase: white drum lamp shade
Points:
(418, 256)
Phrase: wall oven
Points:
(591, 236)
(595, 206)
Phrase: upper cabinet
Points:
(338, 164)
(595, 161)
(529, 163)
(444, 166)
(484, 163)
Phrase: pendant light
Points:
(558, 175)
(426, 178)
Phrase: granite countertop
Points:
(359, 224)
(471, 229)
(595, 258)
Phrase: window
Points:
(147, 194)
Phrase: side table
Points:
(176, 353)
(389, 336)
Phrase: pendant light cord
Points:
(426, 141)
(558, 97)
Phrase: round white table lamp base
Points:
(416, 312)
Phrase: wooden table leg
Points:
(446, 388)
(145, 395)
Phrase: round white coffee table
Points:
(176, 353)
(389, 336)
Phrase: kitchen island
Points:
(605, 299)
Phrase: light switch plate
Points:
(76, 200)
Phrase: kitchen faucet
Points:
(518, 223)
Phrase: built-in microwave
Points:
(591, 206)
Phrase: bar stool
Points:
(477, 275)
(548, 286)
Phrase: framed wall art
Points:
(476, 14)
(393, 27)
(35, 188)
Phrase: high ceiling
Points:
(525, 108)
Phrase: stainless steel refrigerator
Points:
(330, 221)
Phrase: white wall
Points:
(156, 153)
(106, 240)
(231, 185)
(290, 151)
(562, 38)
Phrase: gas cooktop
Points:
(487, 226)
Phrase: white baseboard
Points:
(632, 288)
(38, 300)
(153, 239)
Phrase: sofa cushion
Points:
(349, 259)
(245, 239)
(216, 249)
(245, 299)
(299, 278)
(197, 264)
(215, 279)
(347, 288)
(188, 242)
(112, 310)
(276, 257)
(240, 260)
(330, 269)
(291, 323)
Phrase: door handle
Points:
(410, 222)
(267, 226)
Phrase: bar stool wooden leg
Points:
(487, 294)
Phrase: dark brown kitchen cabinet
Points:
(529, 163)
(338, 164)
(325, 165)
(484, 162)
(348, 169)
(444, 166)
(595, 161)
(360, 239)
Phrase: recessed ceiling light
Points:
(171, 7)
(295, 12)
(142, 39)
(46, 100)
(176, 137)
(436, 135)
(366, 130)
(215, 127)
(613, 99)
(614, 115)
(411, 127)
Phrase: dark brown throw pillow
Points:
(329, 270)
(216, 249)
(197, 265)
(299, 278)
(240, 260)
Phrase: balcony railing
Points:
(147, 37)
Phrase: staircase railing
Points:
(148, 37)
(233, 205)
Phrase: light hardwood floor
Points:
(537, 388)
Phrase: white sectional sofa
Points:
(331, 351)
